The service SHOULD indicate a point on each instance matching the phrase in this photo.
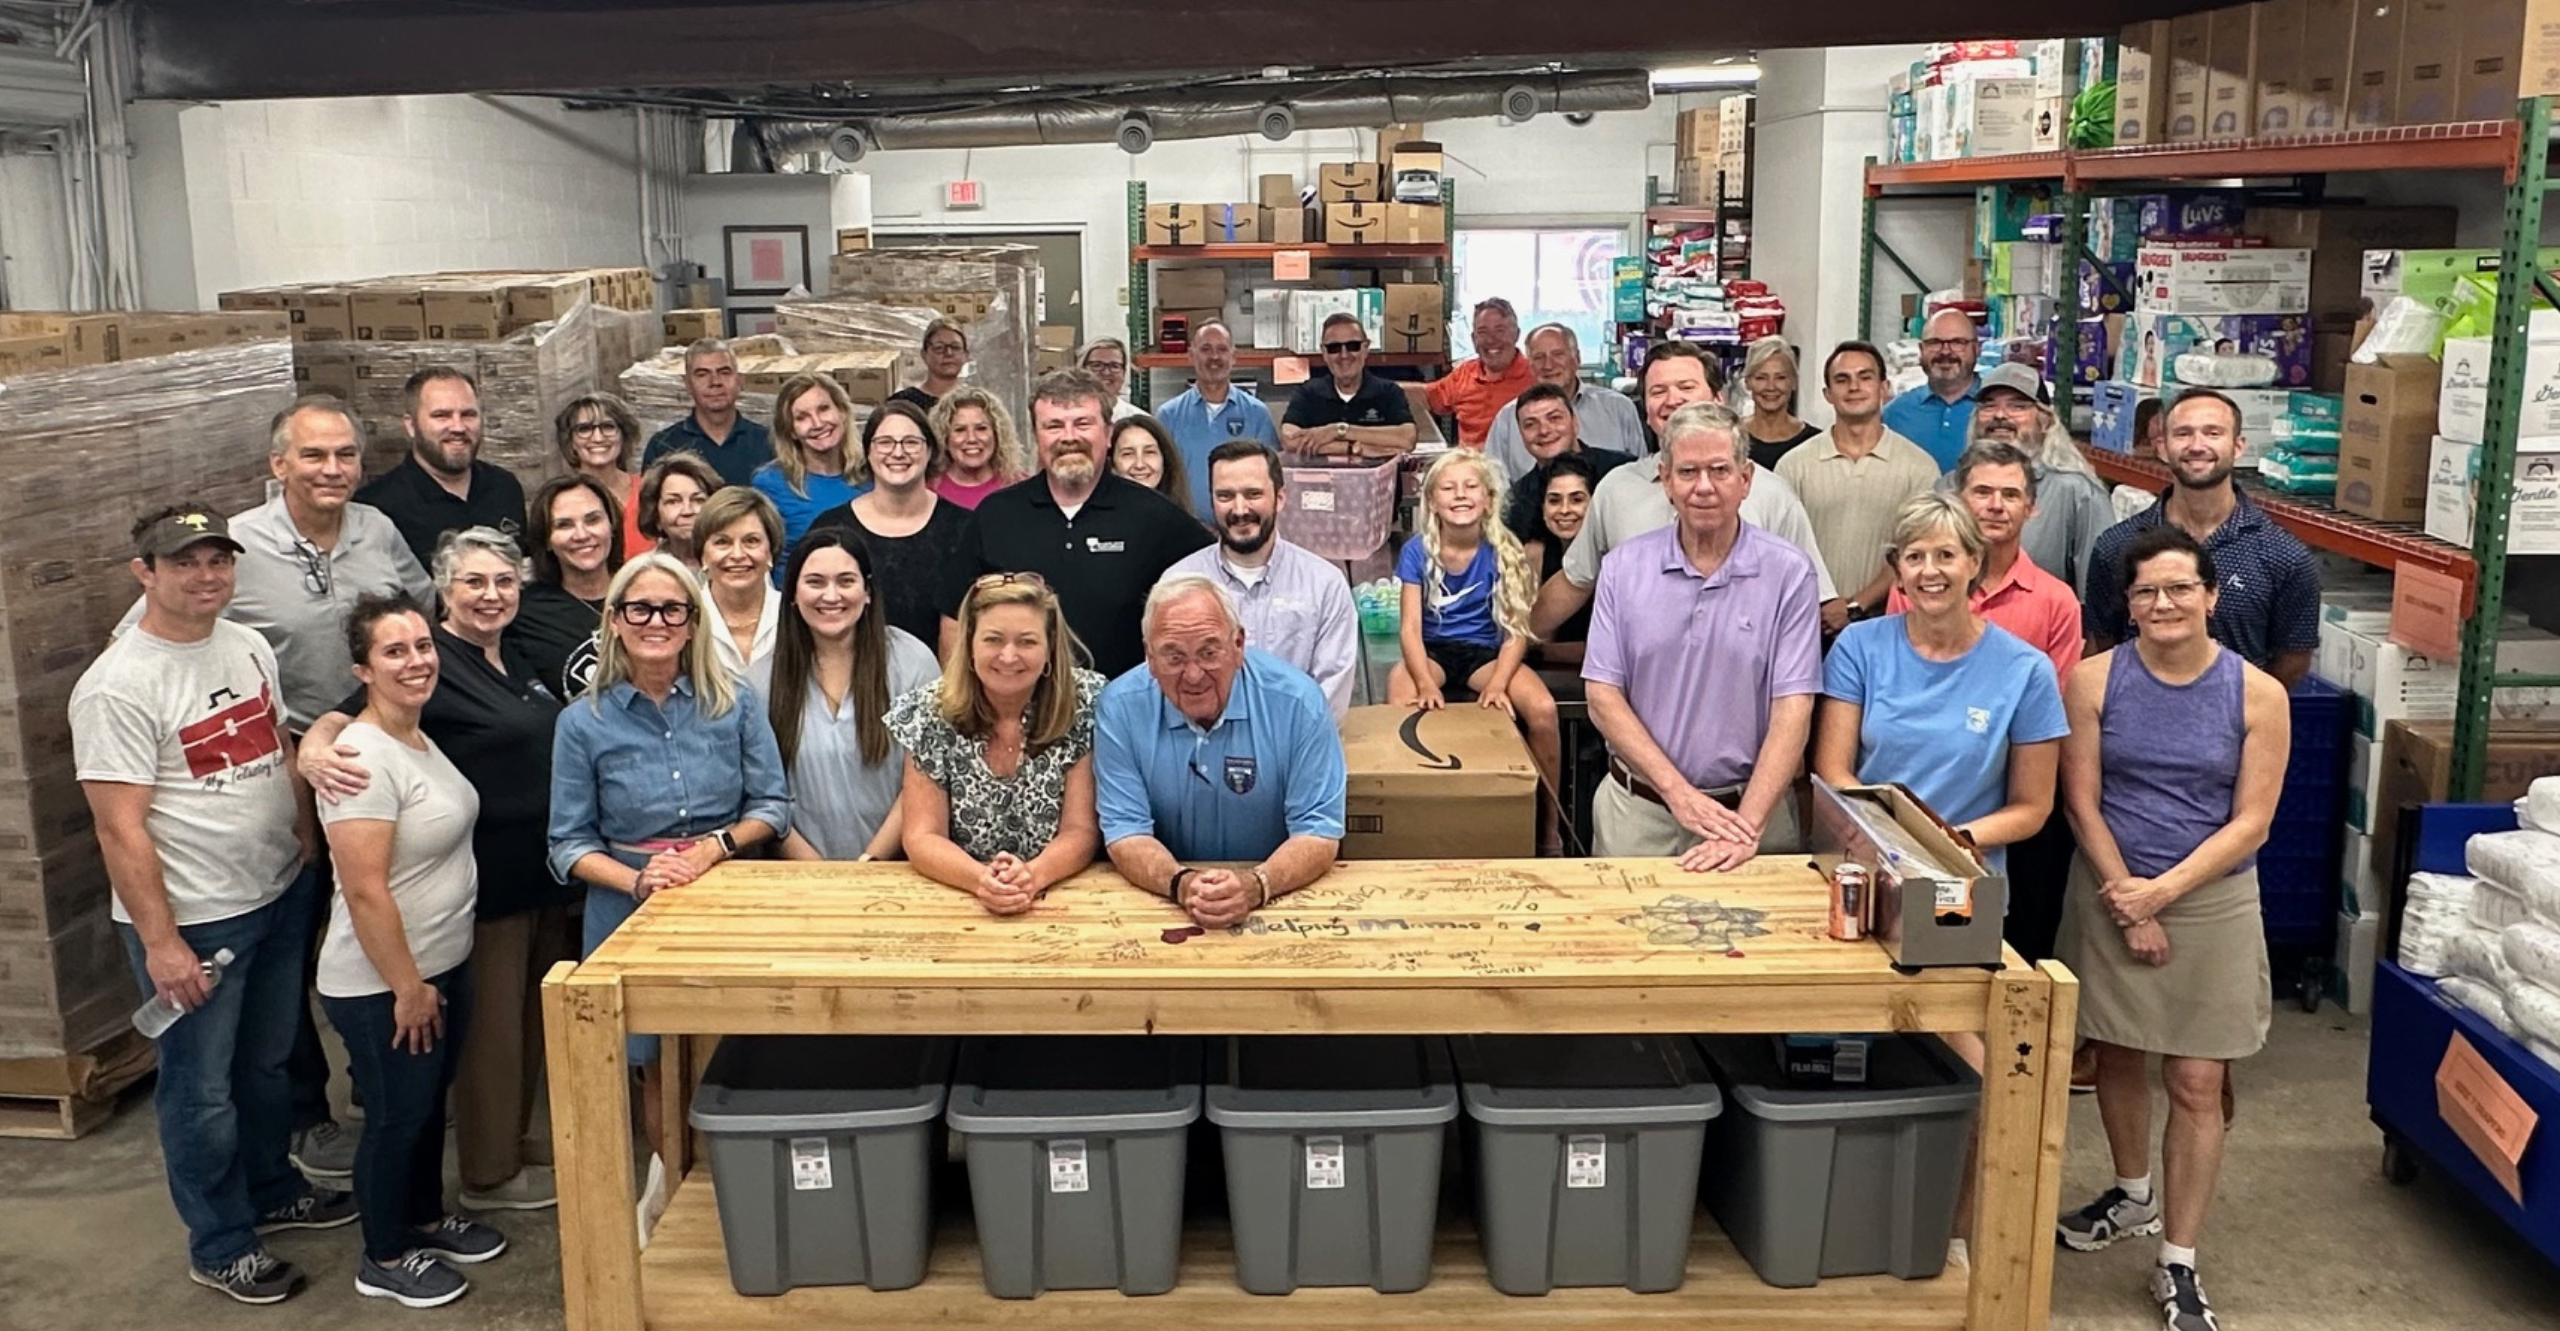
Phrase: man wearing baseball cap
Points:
(178, 737)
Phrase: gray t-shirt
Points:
(434, 880)
(202, 724)
(838, 800)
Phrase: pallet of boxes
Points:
(169, 406)
(533, 340)
(991, 291)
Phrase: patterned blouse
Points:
(993, 814)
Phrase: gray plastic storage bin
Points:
(1587, 1154)
(821, 1156)
(1842, 1180)
(1332, 1146)
(1075, 1150)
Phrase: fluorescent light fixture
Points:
(1704, 76)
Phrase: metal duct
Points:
(1225, 110)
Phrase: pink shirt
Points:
(2030, 603)
(967, 496)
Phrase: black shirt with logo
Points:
(1376, 402)
(558, 632)
(424, 510)
(1101, 562)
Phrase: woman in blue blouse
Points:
(665, 768)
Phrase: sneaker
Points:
(318, 1208)
(325, 1151)
(2113, 1216)
(2182, 1301)
(530, 1190)
(455, 1239)
(654, 1196)
(254, 1278)
(416, 1281)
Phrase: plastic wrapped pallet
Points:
(2527, 861)
(525, 379)
(2480, 998)
(2539, 809)
(1002, 341)
(188, 424)
(655, 390)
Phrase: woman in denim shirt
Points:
(665, 768)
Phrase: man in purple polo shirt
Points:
(1705, 657)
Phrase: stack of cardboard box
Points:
(94, 447)
(992, 291)
(2287, 67)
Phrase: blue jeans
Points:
(606, 910)
(222, 1101)
(400, 1152)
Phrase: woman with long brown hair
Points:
(595, 435)
(913, 532)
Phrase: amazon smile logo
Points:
(1411, 733)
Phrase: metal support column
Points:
(2519, 271)
(2064, 373)
(1141, 337)
(1867, 263)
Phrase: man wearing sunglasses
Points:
(1937, 414)
(1353, 414)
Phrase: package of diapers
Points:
(2526, 860)
(2207, 369)
(2480, 998)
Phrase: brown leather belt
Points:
(1728, 796)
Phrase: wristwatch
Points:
(728, 844)
(1173, 890)
(1858, 611)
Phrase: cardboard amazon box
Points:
(1350, 182)
(1177, 224)
(1432, 785)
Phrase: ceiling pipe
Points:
(1232, 109)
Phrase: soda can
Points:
(1849, 902)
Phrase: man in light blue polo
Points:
(1937, 414)
(1219, 752)
(1211, 411)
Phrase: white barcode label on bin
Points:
(1324, 1162)
(1316, 501)
(1067, 1171)
(1849, 1062)
(1586, 1162)
(812, 1169)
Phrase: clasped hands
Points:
(2134, 904)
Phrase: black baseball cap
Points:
(181, 528)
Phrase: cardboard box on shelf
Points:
(2492, 58)
(1416, 224)
(2395, 683)
(1350, 182)
(264, 298)
(1278, 190)
(1232, 223)
(852, 239)
(2373, 83)
(1189, 288)
(2462, 409)
(2430, 60)
(464, 314)
(1395, 136)
(1421, 785)
(2150, 345)
(1269, 326)
(684, 327)
(1290, 226)
(388, 314)
(2190, 68)
(539, 299)
(2231, 89)
(1355, 223)
(1415, 318)
(1695, 132)
(2453, 495)
(2188, 280)
(2338, 237)
(2417, 768)
(2142, 82)
(1413, 174)
(2384, 441)
(1994, 117)
(1176, 224)
(1735, 116)
(2328, 64)
(2276, 103)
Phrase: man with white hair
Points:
(2072, 509)
(1604, 419)
(1215, 751)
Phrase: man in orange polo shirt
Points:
(1475, 391)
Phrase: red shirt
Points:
(1475, 395)
(2029, 602)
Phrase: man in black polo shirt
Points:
(713, 431)
(1354, 414)
(443, 485)
(1099, 541)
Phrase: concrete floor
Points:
(2306, 1234)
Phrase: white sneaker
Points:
(654, 1196)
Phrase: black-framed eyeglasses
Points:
(315, 569)
(1343, 348)
(946, 347)
(673, 614)
(591, 429)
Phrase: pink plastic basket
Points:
(1339, 511)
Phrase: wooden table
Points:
(1559, 946)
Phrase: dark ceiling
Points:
(794, 50)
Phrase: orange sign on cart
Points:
(1289, 265)
(2486, 1113)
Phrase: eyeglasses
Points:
(1945, 343)
(673, 614)
(989, 582)
(935, 348)
(1108, 367)
(904, 443)
(1342, 348)
(315, 569)
(2179, 593)
(590, 429)
(1209, 657)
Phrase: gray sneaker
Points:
(415, 1281)
(254, 1277)
(2182, 1301)
(2113, 1216)
(530, 1190)
(325, 1151)
(458, 1240)
(316, 1208)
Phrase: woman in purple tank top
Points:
(2170, 776)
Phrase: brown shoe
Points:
(2084, 1069)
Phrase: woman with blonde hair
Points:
(672, 492)
(595, 435)
(999, 798)
(736, 536)
(1467, 587)
(623, 827)
(981, 451)
(1769, 375)
(812, 472)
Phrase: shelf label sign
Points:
(2485, 1112)
(1288, 369)
(1586, 1161)
(1324, 1163)
(1067, 1171)
(811, 1167)
(1290, 266)
(2426, 611)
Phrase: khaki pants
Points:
(501, 1068)
(1624, 823)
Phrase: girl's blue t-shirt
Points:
(1462, 610)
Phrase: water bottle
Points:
(157, 1015)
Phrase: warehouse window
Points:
(1550, 274)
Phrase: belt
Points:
(655, 846)
(1728, 796)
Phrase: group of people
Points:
(514, 721)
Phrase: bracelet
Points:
(1262, 882)
(1173, 890)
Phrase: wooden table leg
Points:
(2011, 1234)
(591, 1131)
(2062, 1038)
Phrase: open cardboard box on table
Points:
(1944, 910)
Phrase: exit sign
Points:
(964, 194)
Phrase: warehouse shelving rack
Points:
(2518, 149)
(1143, 355)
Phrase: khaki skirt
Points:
(2212, 999)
